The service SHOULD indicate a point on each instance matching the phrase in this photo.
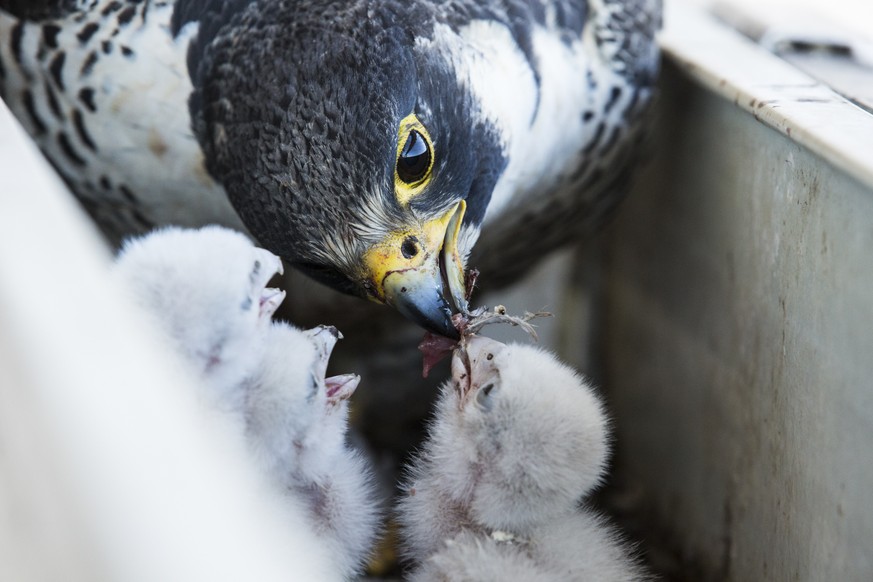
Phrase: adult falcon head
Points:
(369, 143)
(349, 146)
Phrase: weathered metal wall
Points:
(737, 346)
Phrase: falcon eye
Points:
(414, 160)
(409, 248)
(413, 166)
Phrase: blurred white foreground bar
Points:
(108, 468)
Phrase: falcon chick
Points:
(296, 425)
(474, 558)
(368, 143)
(207, 290)
(517, 440)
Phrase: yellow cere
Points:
(403, 191)
(387, 255)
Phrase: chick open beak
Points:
(342, 386)
(420, 273)
(474, 366)
(269, 298)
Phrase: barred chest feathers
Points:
(104, 92)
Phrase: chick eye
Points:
(483, 398)
(414, 159)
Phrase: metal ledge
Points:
(736, 321)
(777, 94)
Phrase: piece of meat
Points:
(436, 347)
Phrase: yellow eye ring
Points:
(414, 161)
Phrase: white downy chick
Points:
(470, 557)
(580, 545)
(207, 290)
(296, 424)
(517, 440)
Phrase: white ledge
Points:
(103, 447)
(773, 91)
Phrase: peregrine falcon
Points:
(498, 491)
(369, 143)
(206, 291)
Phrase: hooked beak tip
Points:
(435, 315)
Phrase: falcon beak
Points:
(420, 272)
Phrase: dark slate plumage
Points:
(157, 111)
